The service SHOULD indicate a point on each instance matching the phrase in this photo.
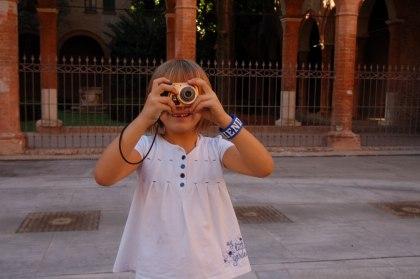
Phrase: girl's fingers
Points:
(160, 85)
(167, 101)
(202, 84)
(202, 105)
(166, 87)
(200, 98)
(158, 81)
(164, 107)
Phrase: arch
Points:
(85, 33)
(366, 8)
(310, 54)
(309, 39)
(329, 28)
(373, 32)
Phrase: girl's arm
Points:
(247, 156)
(111, 167)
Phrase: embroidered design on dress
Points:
(235, 251)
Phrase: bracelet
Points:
(232, 129)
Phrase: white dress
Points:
(181, 222)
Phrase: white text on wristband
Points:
(233, 129)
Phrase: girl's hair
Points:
(179, 70)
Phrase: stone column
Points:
(290, 48)
(48, 48)
(341, 137)
(185, 29)
(12, 140)
(393, 96)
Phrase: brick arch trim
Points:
(311, 5)
(86, 33)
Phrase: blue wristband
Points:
(232, 129)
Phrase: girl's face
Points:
(180, 120)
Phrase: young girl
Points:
(181, 222)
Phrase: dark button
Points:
(182, 166)
(183, 157)
(182, 184)
(182, 175)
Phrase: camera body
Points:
(186, 93)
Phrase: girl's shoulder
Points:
(217, 144)
(145, 143)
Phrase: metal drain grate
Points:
(402, 209)
(60, 221)
(260, 214)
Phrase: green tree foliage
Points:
(206, 29)
(140, 31)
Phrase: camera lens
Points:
(187, 94)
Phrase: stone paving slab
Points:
(336, 232)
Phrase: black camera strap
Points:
(148, 151)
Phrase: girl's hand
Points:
(208, 104)
(155, 103)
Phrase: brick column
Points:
(170, 35)
(290, 48)
(48, 48)
(170, 29)
(12, 140)
(341, 137)
(185, 29)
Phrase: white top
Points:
(181, 222)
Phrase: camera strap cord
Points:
(148, 151)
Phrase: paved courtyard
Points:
(337, 229)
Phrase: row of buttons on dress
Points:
(182, 184)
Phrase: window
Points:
(90, 6)
(109, 6)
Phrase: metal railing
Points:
(97, 97)
(387, 105)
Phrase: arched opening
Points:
(373, 33)
(28, 46)
(310, 52)
(308, 87)
(81, 46)
(372, 57)
(74, 87)
(29, 52)
(329, 40)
